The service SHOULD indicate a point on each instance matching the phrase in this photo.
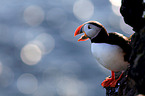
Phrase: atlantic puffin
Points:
(111, 50)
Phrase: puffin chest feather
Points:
(109, 56)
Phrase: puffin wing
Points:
(122, 41)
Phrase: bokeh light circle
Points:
(31, 54)
(115, 2)
(45, 42)
(69, 86)
(116, 6)
(83, 9)
(27, 83)
(33, 15)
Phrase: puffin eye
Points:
(89, 27)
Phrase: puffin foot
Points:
(111, 82)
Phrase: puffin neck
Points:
(102, 37)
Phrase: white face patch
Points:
(91, 30)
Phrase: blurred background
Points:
(39, 55)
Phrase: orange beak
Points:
(79, 31)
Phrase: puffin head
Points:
(90, 29)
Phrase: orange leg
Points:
(111, 81)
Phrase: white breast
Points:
(109, 56)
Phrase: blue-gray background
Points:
(39, 55)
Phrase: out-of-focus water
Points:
(39, 55)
